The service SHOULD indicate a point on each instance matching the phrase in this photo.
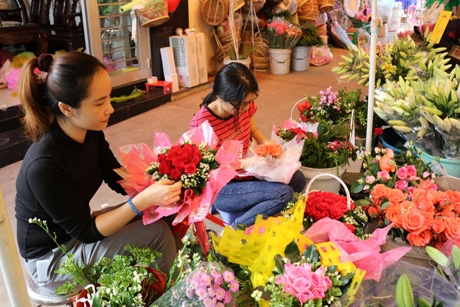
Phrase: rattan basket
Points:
(301, 3)
(258, 5)
(309, 11)
(214, 11)
(154, 14)
(325, 6)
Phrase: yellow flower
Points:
(388, 67)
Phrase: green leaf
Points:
(292, 252)
(437, 256)
(404, 295)
(362, 202)
(332, 269)
(311, 253)
(356, 187)
(375, 169)
(279, 263)
(456, 256)
(348, 278)
(422, 303)
(384, 205)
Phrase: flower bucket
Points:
(300, 59)
(246, 61)
(323, 184)
(452, 166)
(280, 60)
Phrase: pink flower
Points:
(211, 292)
(410, 191)
(220, 293)
(190, 293)
(317, 293)
(434, 187)
(411, 171)
(321, 272)
(220, 304)
(208, 302)
(384, 175)
(218, 280)
(370, 179)
(327, 283)
(202, 293)
(234, 286)
(193, 284)
(307, 267)
(401, 185)
(281, 279)
(301, 284)
(316, 280)
(298, 272)
(228, 297)
(228, 276)
(215, 274)
(414, 178)
(305, 296)
(290, 290)
(402, 173)
(425, 174)
(206, 279)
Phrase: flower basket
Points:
(310, 186)
(153, 14)
(325, 6)
(214, 11)
(309, 11)
(323, 184)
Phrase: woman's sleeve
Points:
(108, 163)
(52, 188)
(252, 109)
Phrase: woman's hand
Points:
(246, 162)
(162, 193)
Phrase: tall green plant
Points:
(310, 36)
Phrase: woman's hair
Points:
(68, 80)
(232, 84)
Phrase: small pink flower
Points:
(234, 286)
(290, 289)
(220, 304)
(190, 293)
(298, 272)
(411, 171)
(402, 173)
(434, 187)
(228, 276)
(228, 297)
(281, 279)
(220, 293)
(307, 267)
(414, 178)
(211, 292)
(321, 272)
(301, 284)
(366, 187)
(193, 284)
(370, 179)
(327, 283)
(317, 293)
(218, 280)
(401, 185)
(384, 175)
(202, 293)
(208, 302)
(316, 280)
(425, 174)
(305, 296)
(206, 279)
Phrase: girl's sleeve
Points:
(108, 163)
(252, 109)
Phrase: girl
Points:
(66, 165)
(230, 109)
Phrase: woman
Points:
(66, 165)
(230, 110)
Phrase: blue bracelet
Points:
(130, 201)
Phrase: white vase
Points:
(325, 184)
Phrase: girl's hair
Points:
(68, 80)
(232, 84)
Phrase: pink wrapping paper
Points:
(289, 123)
(137, 157)
(364, 254)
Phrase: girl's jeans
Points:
(257, 197)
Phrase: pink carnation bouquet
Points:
(283, 34)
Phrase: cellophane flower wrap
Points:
(198, 193)
(275, 168)
(283, 34)
(210, 284)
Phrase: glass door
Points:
(109, 37)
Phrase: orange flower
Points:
(446, 209)
(386, 162)
(425, 185)
(392, 212)
(435, 196)
(450, 214)
(274, 149)
(418, 194)
(372, 211)
(420, 240)
(452, 225)
(380, 191)
(438, 225)
(414, 222)
(396, 196)
(407, 205)
(439, 245)
(429, 218)
(425, 204)
(398, 219)
(261, 150)
(453, 197)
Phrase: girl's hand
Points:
(246, 162)
(162, 193)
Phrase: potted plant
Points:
(300, 59)
(240, 57)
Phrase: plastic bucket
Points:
(395, 21)
(452, 166)
(300, 59)
(323, 184)
(246, 62)
(280, 60)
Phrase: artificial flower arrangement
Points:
(112, 282)
(421, 215)
(192, 160)
(282, 33)
(403, 171)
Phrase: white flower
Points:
(30, 221)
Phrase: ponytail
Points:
(208, 99)
(31, 90)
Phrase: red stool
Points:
(164, 84)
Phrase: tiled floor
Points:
(278, 94)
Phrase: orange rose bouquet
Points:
(423, 216)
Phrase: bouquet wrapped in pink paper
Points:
(280, 164)
(193, 160)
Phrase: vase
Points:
(325, 184)
(158, 287)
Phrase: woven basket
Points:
(258, 5)
(214, 11)
(309, 11)
(325, 6)
(153, 15)
(239, 4)
(225, 43)
(301, 3)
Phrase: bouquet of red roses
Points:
(330, 205)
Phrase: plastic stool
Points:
(164, 84)
(48, 298)
(230, 217)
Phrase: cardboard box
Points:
(185, 59)
(167, 59)
(201, 54)
(175, 81)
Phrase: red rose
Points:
(301, 107)
(186, 153)
(175, 174)
(351, 227)
(307, 105)
(317, 216)
(304, 119)
(324, 214)
(162, 158)
(336, 213)
(178, 162)
(378, 131)
(197, 159)
(195, 151)
(190, 169)
(165, 168)
(172, 153)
